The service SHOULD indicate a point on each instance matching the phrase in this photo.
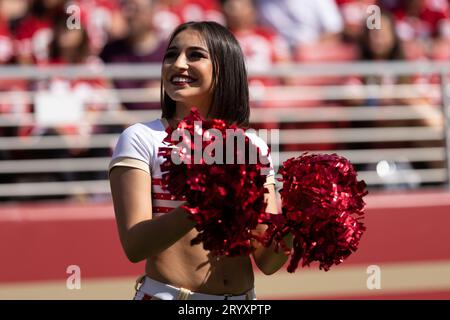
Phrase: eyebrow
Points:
(191, 48)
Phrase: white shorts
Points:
(149, 289)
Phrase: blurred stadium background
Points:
(321, 71)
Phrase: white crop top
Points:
(138, 147)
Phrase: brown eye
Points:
(196, 55)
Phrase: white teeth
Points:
(182, 79)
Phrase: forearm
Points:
(268, 259)
(150, 237)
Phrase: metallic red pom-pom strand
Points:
(225, 200)
(323, 206)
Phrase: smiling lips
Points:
(181, 80)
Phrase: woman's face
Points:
(138, 15)
(239, 13)
(187, 70)
(70, 39)
(382, 41)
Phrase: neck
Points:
(143, 42)
(70, 56)
(243, 25)
(182, 110)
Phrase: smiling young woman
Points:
(203, 67)
(187, 72)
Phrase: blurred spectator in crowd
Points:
(302, 21)
(6, 54)
(84, 97)
(142, 44)
(12, 11)
(6, 42)
(384, 45)
(262, 47)
(420, 18)
(313, 30)
(13, 105)
(35, 31)
(69, 46)
(380, 45)
(170, 13)
(73, 47)
(423, 26)
(103, 20)
(354, 14)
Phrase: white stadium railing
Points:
(386, 163)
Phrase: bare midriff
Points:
(194, 268)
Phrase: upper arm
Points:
(129, 176)
(131, 193)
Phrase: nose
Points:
(181, 62)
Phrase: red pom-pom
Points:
(323, 205)
(226, 200)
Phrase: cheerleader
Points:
(203, 67)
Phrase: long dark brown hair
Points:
(230, 100)
(80, 53)
(396, 52)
